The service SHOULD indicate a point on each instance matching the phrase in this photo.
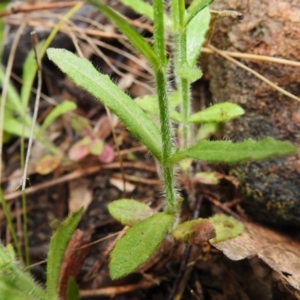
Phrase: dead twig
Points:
(15, 9)
(116, 290)
(74, 175)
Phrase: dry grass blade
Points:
(250, 56)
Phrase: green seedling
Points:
(188, 28)
(17, 284)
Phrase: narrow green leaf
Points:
(220, 112)
(72, 290)
(14, 126)
(58, 246)
(139, 242)
(150, 103)
(134, 37)
(128, 211)
(29, 73)
(13, 101)
(195, 35)
(15, 283)
(56, 112)
(145, 9)
(228, 152)
(140, 7)
(194, 8)
(226, 228)
(159, 32)
(82, 72)
(191, 74)
(81, 125)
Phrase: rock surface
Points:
(270, 188)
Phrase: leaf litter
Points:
(280, 252)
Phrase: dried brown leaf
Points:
(280, 252)
(73, 261)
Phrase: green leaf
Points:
(145, 9)
(96, 146)
(128, 211)
(6, 137)
(58, 246)
(207, 178)
(29, 72)
(82, 72)
(226, 228)
(159, 44)
(56, 112)
(207, 130)
(191, 74)
(194, 232)
(47, 164)
(15, 283)
(13, 101)
(228, 152)
(195, 7)
(220, 112)
(195, 35)
(14, 126)
(140, 7)
(150, 103)
(81, 125)
(139, 242)
(175, 116)
(72, 290)
(134, 37)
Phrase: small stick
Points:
(29, 8)
(74, 175)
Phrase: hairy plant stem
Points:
(167, 168)
(164, 111)
(179, 62)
